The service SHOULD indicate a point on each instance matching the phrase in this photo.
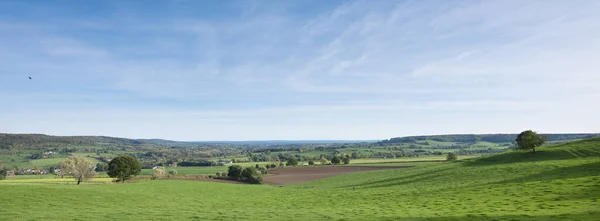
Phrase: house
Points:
(10, 173)
(225, 162)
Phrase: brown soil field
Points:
(289, 175)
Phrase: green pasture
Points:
(560, 182)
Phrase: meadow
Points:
(560, 182)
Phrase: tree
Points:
(172, 172)
(268, 166)
(79, 168)
(101, 167)
(36, 169)
(273, 165)
(451, 156)
(292, 162)
(324, 161)
(346, 159)
(249, 172)
(335, 160)
(530, 140)
(263, 170)
(235, 172)
(310, 162)
(124, 168)
(158, 172)
(354, 155)
(3, 174)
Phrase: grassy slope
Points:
(558, 183)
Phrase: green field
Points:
(559, 182)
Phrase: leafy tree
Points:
(249, 172)
(273, 165)
(101, 167)
(310, 162)
(257, 166)
(263, 170)
(451, 156)
(335, 160)
(3, 174)
(79, 168)
(530, 140)
(235, 172)
(124, 168)
(219, 174)
(158, 173)
(354, 155)
(346, 159)
(172, 172)
(267, 166)
(324, 161)
(292, 162)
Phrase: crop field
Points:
(559, 182)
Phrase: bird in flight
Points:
(29, 78)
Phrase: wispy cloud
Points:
(318, 64)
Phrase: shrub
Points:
(267, 166)
(273, 165)
(210, 176)
(219, 174)
(311, 162)
(451, 156)
(172, 172)
(281, 164)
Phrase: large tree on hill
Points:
(124, 168)
(530, 140)
(79, 168)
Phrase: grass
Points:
(558, 183)
(47, 162)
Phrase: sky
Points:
(298, 70)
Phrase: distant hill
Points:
(18, 141)
(492, 138)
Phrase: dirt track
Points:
(291, 175)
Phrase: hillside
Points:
(492, 138)
(559, 182)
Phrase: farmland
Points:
(559, 182)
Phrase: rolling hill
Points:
(559, 182)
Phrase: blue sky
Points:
(266, 70)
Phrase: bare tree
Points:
(79, 168)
